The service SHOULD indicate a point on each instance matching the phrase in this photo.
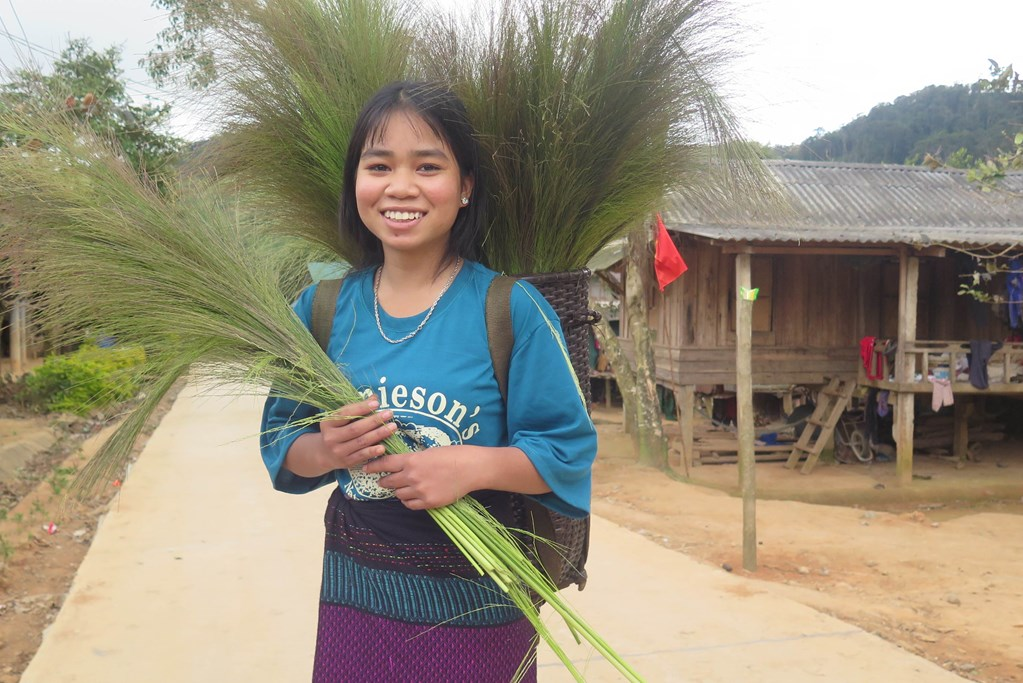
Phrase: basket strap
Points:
(501, 338)
(324, 303)
(500, 335)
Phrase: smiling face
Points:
(408, 187)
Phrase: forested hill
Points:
(939, 120)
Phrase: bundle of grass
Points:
(199, 289)
(183, 277)
(292, 77)
(591, 110)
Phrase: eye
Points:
(430, 168)
(376, 168)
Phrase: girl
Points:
(398, 601)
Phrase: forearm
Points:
(502, 469)
(307, 456)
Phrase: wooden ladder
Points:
(832, 401)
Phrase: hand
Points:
(354, 436)
(426, 479)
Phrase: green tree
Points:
(764, 151)
(937, 120)
(960, 159)
(89, 85)
(184, 51)
(988, 173)
(992, 169)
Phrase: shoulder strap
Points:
(500, 335)
(324, 303)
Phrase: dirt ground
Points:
(38, 561)
(936, 567)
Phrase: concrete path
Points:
(201, 573)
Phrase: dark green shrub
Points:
(84, 380)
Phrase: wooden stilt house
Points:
(870, 252)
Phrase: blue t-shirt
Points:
(441, 387)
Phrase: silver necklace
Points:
(376, 304)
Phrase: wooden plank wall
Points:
(940, 313)
(820, 302)
(771, 366)
(792, 287)
(702, 327)
(871, 286)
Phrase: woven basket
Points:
(563, 560)
(568, 293)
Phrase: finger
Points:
(361, 451)
(355, 410)
(404, 494)
(359, 457)
(391, 464)
(380, 422)
(368, 429)
(378, 434)
(359, 408)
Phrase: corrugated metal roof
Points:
(868, 204)
(610, 254)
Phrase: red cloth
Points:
(873, 359)
(668, 263)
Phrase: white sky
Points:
(808, 64)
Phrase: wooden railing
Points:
(926, 359)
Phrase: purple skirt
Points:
(400, 603)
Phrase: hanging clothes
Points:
(870, 416)
(882, 403)
(873, 359)
(941, 395)
(888, 348)
(1014, 287)
(980, 353)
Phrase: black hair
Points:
(446, 116)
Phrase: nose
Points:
(403, 184)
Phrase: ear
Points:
(467, 185)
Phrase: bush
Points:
(85, 380)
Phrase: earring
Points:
(465, 201)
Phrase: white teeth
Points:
(403, 215)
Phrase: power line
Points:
(14, 43)
(21, 26)
(15, 40)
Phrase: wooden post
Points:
(787, 406)
(744, 409)
(5, 362)
(961, 429)
(26, 334)
(18, 338)
(685, 399)
(905, 366)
